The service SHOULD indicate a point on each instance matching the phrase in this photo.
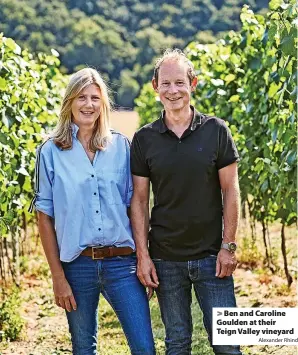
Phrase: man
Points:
(191, 161)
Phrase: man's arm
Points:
(140, 225)
(228, 177)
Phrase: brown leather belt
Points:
(106, 252)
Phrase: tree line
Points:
(120, 38)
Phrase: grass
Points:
(112, 340)
(50, 335)
(252, 253)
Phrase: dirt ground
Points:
(46, 327)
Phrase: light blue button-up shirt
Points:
(87, 200)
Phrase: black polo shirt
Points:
(186, 220)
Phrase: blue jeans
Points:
(116, 279)
(174, 297)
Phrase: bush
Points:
(11, 323)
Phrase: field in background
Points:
(125, 122)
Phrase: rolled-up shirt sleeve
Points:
(44, 174)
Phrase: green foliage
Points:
(250, 80)
(30, 92)
(11, 323)
(113, 35)
(112, 340)
(148, 105)
(128, 89)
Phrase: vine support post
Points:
(284, 254)
(15, 237)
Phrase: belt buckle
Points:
(93, 253)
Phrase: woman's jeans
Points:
(174, 297)
(116, 279)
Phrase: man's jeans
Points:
(116, 279)
(174, 297)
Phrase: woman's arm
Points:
(140, 225)
(62, 291)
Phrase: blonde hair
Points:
(174, 54)
(62, 135)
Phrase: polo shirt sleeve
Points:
(227, 152)
(129, 186)
(139, 165)
(44, 175)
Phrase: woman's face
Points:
(85, 107)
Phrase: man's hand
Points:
(147, 274)
(226, 263)
(63, 294)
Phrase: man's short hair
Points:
(174, 54)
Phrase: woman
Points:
(83, 190)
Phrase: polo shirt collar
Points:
(162, 126)
(196, 120)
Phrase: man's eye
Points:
(180, 82)
(95, 98)
(81, 97)
(165, 84)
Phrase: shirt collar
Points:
(162, 126)
(196, 120)
(74, 129)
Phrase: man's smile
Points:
(174, 99)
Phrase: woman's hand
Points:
(63, 293)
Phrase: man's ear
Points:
(194, 84)
(154, 84)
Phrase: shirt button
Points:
(94, 193)
(179, 141)
(96, 211)
(99, 229)
(92, 175)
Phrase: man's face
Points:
(173, 85)
(86, 106)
